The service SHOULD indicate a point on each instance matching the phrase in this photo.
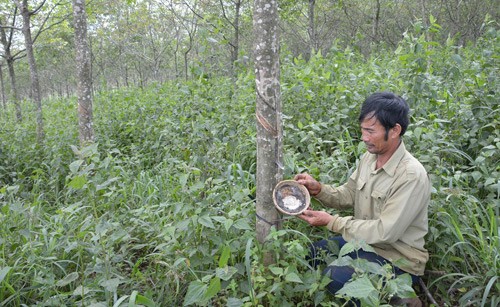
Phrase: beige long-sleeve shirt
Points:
(390, 208)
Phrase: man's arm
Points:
(399, 211)
(342, 197)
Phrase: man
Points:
(389, 192)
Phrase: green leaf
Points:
(140, 300)
(369, 266)
(359, 288)
(234, 302)
(183, 179)
(71, 277)
(3, 272)
(212, 289)
(276, 270)
(197, 186)
(457, 59)
(106, 183)
(405, 290)
(248, 254)
(195, 293)
(206, 221)
(418, 132)
(220, 219)
(224, 257)
(276, 286)
(179, 261)
(293, 277)
(77, 182)
(111, 285)
(361, 146)
(242, 224)
(81, 291)
(228, 223)
(226, 273)
(75, 166)
(347, 249)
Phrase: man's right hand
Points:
(312, 185)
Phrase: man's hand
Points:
(315, 218)
(313, 186)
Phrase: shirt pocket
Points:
(378, 199)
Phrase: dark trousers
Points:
(341, 274)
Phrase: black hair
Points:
(388, 108)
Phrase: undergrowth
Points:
(160, 210)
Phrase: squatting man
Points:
(389, 193)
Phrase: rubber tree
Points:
(268, 114)
(2, 88)
(26, 14)
(84, 79)
(6, 38)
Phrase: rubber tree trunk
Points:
(2, 89)
(268, 115)
(312, 29)
(84, 89)
(9, 59)
(35, 84)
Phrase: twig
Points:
(427, 292)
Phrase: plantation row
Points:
(160, 210)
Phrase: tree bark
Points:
(84, 88)
(2, 86)
(9, 59)
(312, 28)
(268, 113)
(376, 20)
(35, 84)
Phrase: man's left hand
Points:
(315, 218)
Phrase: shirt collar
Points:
(391, 165)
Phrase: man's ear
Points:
(396, 130)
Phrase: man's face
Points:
(374, 136)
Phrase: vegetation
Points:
(160, 210)
(163, 201)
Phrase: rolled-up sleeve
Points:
(341, 197)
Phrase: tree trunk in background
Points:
(312, 29)
(9, 59)
(376, 21)
(84, 89)
(268, 113)
(2, 85)
(235, 45)
(35, 84)
(13, 89)
(186, 70)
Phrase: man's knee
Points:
(339, 275)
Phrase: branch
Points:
(19, 55)
(224, 14)
(209, 23)
(193, 11)
(11, 34)
(427, 292)
(44, 28)
(35, 11)
(11, 27)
